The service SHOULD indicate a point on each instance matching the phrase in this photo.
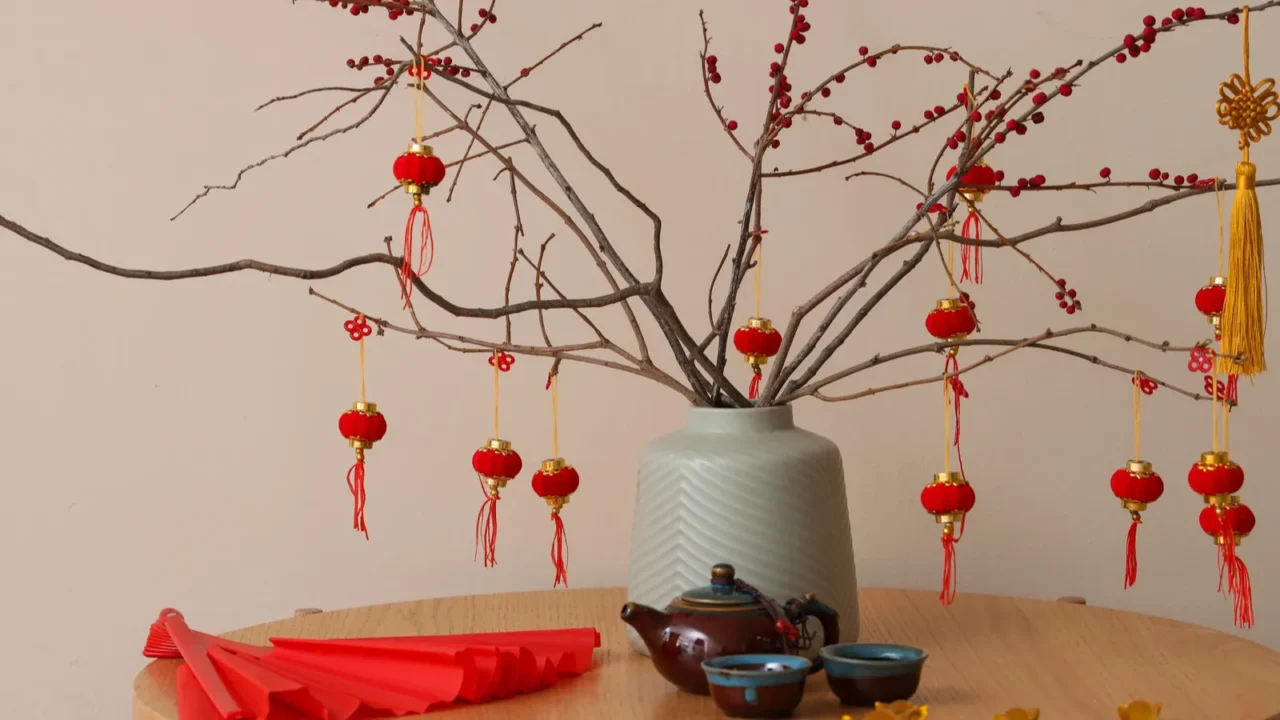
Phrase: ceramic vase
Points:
(748, 488)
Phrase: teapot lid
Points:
(721, 595)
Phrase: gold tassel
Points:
(1249, 110)
(1244, 316)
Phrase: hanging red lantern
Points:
(417, 170)
(974, 187)
(1211, 298)
(496, 464)
(555, 482)
(1227, 524)
(952, 319)
(758, 341)
(1216, 478)
(362, 426)
(1137, 485)
(948, 498)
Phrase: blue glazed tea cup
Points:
(757, 686)
(864, 674)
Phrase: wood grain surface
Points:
(986, 654)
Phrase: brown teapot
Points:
(728, 617)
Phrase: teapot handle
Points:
(828, 617)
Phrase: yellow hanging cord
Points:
(418, 98)
(759, 266)
(362, 394)
(555, 415)
(1217, 191)
(1226, 425)
(951, 264)
(946, 427)
(1215, 410)
(1137, 414)
(496, 370)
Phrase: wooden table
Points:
(986, 654)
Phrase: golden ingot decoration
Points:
(896, 710)
(1140, 710)
(1020, 714)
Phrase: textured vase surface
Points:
(748, 488)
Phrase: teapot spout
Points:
(648, 623)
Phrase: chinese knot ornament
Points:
(948, 498)
(1227, 524)
(555, 482)
(974, 185)
(1136, 485)
(758, 341)
(951, 320)
(362, 426)
(417, 170)
(1211, 298)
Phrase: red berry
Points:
(448, 61)
(1154, 174)
(1039, 98)
(1135, 51)
(1120, 58)
(1149, 35)
(390, 72)
(711, 60)
(483, 13)
(1233, 19)
(379, 80)
(869, 147)
(1071, 310)
(896, 125)
(1062, 304)
(939, 110)
(775, 144)
(937, 57)
(840, 78)
(732, 125)
(928, 59)
(1059, 296)
(975, 116)
(1014, 192)
(1065, 91)
(999, 138)
(364, 61)
(995, 94)
(1199, 14)
(1037, 117)
(475, 28)
(1021, 129)
(715, 77)
(1149, 21)
(1071, 293)
(493, 17)
(951, 143)
(826, 92)
(871, 62)
(351, 63)
(999, 176)
(1178, 179)
(466, 72)
(1177, 14)
(778, 48)
(1037, 180)
(786, 122)
(1062, 282)
(1130, 41)
(1034, 74)
(1104, 173)
(863, 51)
(959, 136)
(928, 114)
(1192, 178)
(1164, 176)
(837, 120)
(1023, 182)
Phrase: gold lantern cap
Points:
(366, 408)
(1217, 282)
(948, 478)
(1141, 468)
(756, 323)
(502, 446)
(554, 465)
(420, 149)
(950, 304)
(1213, 459)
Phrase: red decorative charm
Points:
(358, 328)
(1137, 486)
(502, 360)
(418, 170)
(1201, 360)
(496, 464)
(1227, 524)
(948, 498)
(1211, 298)
(953, 319)
(555, 482)
(1145, 384)
(1227, 393)
(362, 426)
(758, 341)
(974, 186)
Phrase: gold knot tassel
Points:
(1244, 316)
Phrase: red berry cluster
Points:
(800, 26)
(1158, 175)
(355, 7)
(712, 74)
(1066, 298)
(937, 57)
(864, 51)
(487, 17)
(387, 63)
(936, 112)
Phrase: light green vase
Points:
(748, 488)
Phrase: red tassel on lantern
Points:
(1137, 486)
(948, 498)
(497, 464)
(555, 482)
(1228, 523)
(1210, 300)
(973, 187)
(362, 426)
(418, 170)
(758, 341)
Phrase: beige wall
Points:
(174, 444)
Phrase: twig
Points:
(711, 290)
(706, 89)
(887, 176)
(312, 91)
